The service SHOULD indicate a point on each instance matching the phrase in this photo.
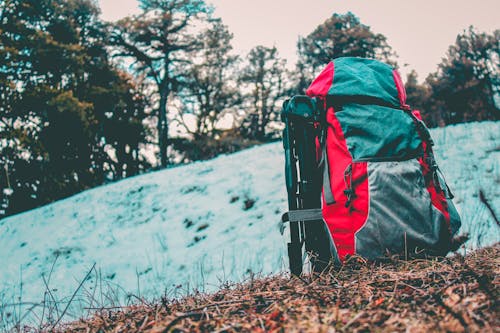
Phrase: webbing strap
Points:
(327, 189)
(425, 135)
(303, 215)
(422, 130)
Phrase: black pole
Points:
(295, 244)
(303, 121)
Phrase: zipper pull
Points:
(349, 191)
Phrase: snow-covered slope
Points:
(469, 156)
(199, 225)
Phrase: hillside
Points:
(194, 227)
(452, 295)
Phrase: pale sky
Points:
(419, 31)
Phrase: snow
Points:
(7, 191)
(197, 226)
(469, 156)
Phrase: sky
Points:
(419, 31)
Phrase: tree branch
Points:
(139, 55)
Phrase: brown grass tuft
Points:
(457, 294)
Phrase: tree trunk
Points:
(163, 127)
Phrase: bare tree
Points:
(210, 88)
(264, 76)
(159, 40)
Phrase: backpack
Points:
(360, 170)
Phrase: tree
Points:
(160, 41)
(42, 52)
(264, 77)
(418, 96)
(210, 88)
(341, 35)
(121, 109)
(468, 79)
(62, 102)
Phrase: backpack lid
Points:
(357, 79)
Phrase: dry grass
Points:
(458, 294)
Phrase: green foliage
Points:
(64, 106)
(468, 80)
(206, 147)
(177, 6)
(418, 96)
(341, 35)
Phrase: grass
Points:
(455, 294)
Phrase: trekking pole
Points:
(316, 239)
(295, 244)
(303, 120)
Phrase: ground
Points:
(455, 294)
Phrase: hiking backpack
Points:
(360, 171)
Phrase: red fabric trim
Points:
(318, 149)
(417, 114)
(401, 90)
(322, 83)
(343, 222)
(438, 199)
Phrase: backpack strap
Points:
(305, 215)
(301, 215)
(327, 189)
(437, 175)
